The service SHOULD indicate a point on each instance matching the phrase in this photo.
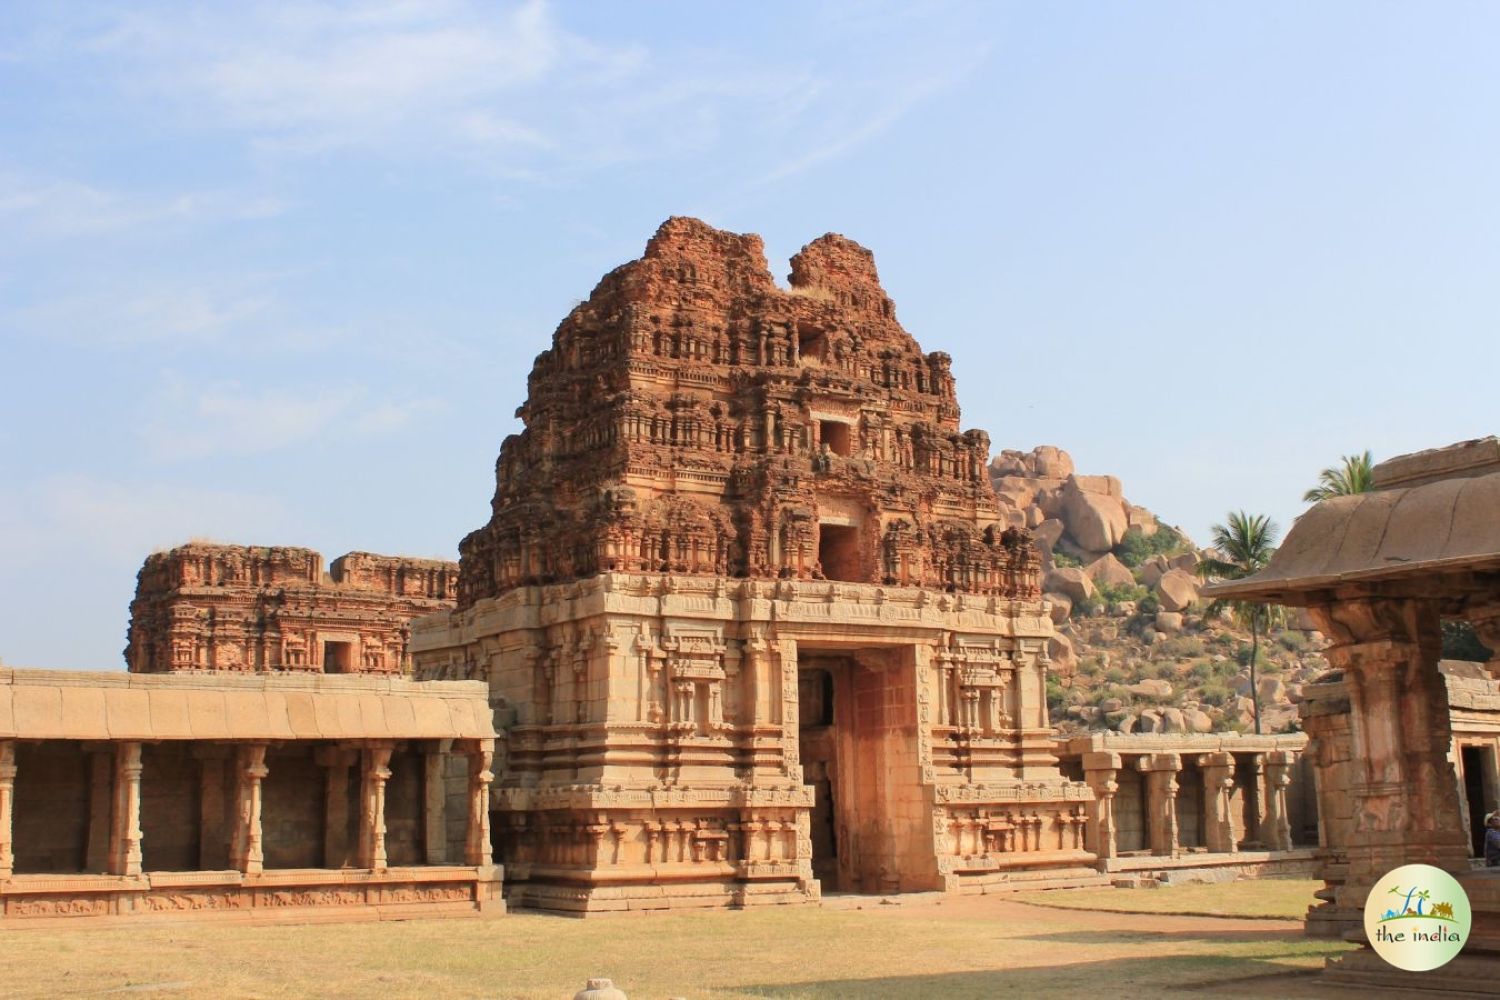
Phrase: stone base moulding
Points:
(285, 895)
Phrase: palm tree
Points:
(1352, 476)
(1244, 547)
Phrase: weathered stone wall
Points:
(52, 807)
(171, 804)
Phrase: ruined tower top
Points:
(694, 417)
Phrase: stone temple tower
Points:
(751, 619)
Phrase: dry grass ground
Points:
(971, 947)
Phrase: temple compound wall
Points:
(751, 619)
(240, 608)
(247, 797)
(1185, 802)
(1400, 740)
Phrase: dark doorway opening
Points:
(1473, 764)
(838, 552)
(871, 824)
(338, 657)
(838, 436)
(815, 721)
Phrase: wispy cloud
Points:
(189, 422)
(321, 76)
(58, 207)
(130, 310)
(116, 519)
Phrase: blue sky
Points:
(274, 273)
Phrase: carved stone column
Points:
(7, 808)
(1099, 770)
(434, 801)
(246, 848)
(1404, 793)
(377, 772)
(125, 829)
(1255, 799)
(1276, 830)
(1161, 770)
(481, 754)
(336, 761)
(1218, 783)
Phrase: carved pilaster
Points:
(1161, 800)
(434, 801)
(1218, 789)
(125, 830)
(1099, 770)
(7, 807)
(246, 848)
(377, 772)
(481, 754)
(1276, 829)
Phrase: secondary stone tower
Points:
(749, 611)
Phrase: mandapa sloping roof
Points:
(82, 705)
(1446, 526)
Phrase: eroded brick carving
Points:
(692, 417)
(258, 608)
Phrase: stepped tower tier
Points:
(752, 620)
(693, 418)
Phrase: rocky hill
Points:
(1135, 650)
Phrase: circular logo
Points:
(1417, 917)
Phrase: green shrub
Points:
(1121, 592)
(1061, 559)
(1461, 643)
(1136, 547)
(1057, 697)
(1114, 675)
(1292, 640)
(1216, 692)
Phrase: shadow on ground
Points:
(1205, 975)
(1194, 934)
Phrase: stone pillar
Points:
(1099, 770)
(1161, 770)
(1276, 830)
(336, 762)
(1218, 783)
(1324, 711)
(1404, 794)
(1255, 795)
(246, 848)
(377, 772)
(7, 808)
(434, 801)
(481, 754)
(125, 827)
(101, 794)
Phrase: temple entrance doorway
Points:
(1473, 761)
(857, 727)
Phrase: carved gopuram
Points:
(258, 609)
(1178, 805)
(1379, 572)
(254, 798)
(752, 623)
